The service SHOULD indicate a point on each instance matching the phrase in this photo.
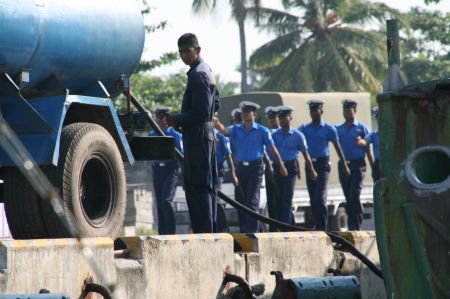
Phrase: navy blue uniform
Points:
(372, 138)
(222, 152)
(318, 138)
(200, 101)
(249, 152)
(165, 177)
(352, 185)
(288, 145)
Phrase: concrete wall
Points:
(57, 265)
(182, 266)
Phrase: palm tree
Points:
(239, 10)
(323, 49)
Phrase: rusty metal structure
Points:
(412, 200)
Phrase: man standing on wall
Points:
(200, 101)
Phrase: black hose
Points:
(95, 288)
(335, 238)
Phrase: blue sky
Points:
(218, 33)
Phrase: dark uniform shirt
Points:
(201, 98)
(200, 101)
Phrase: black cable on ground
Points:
(335, 238)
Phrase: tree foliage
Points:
(426, 47)
(153, 91)
(166, 58)
(320, 46)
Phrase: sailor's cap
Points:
(347, 103)
(315, 104)
(285, 110)
(236, 112)
(162, 109)
(271, 111)
(247, 104)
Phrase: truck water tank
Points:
(69, 44)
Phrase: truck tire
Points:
(22, 206)
(91, 179)
(338, 222)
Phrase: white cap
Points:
(235, 111)
(284, 110)
(245, 104)
(162, 109)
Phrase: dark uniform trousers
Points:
(247, 193)
(317, 190)
(352, 186)
(272, 195)
(376, 175)
(286, 185)
(200, 177)
(165, 177)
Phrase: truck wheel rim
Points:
(96, 190)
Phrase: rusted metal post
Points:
(412, 200)
(393, 80)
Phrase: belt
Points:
(321, 159)
(248, 163)
(163, 164)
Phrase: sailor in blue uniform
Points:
(289, 143)
(200, 102)
(271, 186)
(349, 132)
(372, 138)
(236, 116)
(318, 134)
(223, 153)
(165, 177)
(250, 139)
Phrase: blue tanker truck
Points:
(61, 62)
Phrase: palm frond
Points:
(293, 3)
(273, 20)
(360, 71)
(203, 6)
(285, 76)
(362, 11)
(336, 66)
(274, 51)
(369, 46)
